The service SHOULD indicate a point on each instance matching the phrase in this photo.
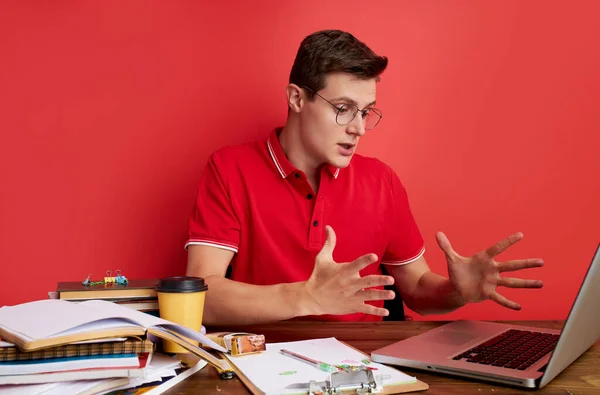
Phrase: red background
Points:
(109, 110)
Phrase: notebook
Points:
(270, 372)
(49, 323)
(515, 355)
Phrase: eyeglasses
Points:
(346, 113)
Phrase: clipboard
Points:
(341, 384)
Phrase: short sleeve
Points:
(406, 243)
(213, 221)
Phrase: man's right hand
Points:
(337, 288)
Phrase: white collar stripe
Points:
(275, 159)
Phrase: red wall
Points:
(108, 111)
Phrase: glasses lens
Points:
(346, 114)
(372, 118)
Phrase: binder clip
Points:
(88, 282)
(120, 279)
(109, 279)
(362, 381)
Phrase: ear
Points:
(295, 97)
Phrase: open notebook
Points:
(47, 323)
(270, 372)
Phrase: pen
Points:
(353, 368)
(318, 364)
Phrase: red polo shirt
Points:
(254, 202)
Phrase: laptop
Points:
(509, 354)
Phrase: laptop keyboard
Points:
(514, 349)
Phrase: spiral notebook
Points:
(272, 373)
(10, 352)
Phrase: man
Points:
(306, 224)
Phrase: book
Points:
(273, 373)
(140, 305)
(10, 352)
(142, 288)
(69, 363)
(80, 374)
(49, 323)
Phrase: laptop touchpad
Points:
(449, 337)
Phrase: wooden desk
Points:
(582, 377)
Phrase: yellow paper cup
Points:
(181, 300)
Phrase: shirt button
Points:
(315, 223)
(297, 175)
(309, 196)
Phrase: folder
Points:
(272, 373)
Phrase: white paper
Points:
(28, 389)
(40, 319)
(160, 366)
(83, 386)
(184, 375)
(265, 369)
(164, 386)
(160, 362)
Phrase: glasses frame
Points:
(340, 108)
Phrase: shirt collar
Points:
(281, 162)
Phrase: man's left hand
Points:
(476, 278)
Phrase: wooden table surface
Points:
(582, 377)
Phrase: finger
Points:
(502, 301)
(520, 264)
(519, 283)
(375, 294)
(359, 264)
(374, 280)
(329, 245)
(502, 245)
(369, 309)
(445, 245)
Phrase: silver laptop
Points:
(508, 354)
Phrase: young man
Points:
(305, 223)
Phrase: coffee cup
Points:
(181, 300)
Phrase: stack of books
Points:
(59, 343)
(136, 294)
(163, 373)
(119, 357)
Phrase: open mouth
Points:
(347, 146)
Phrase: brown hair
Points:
(330, 51)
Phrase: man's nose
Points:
(357, 126)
